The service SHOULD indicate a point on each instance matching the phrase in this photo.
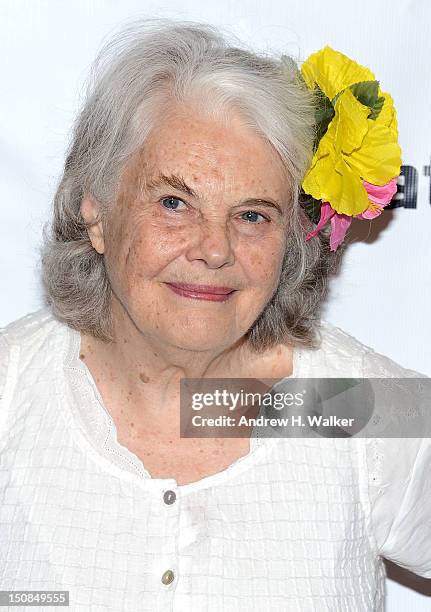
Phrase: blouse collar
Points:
(99, 430)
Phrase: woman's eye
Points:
(252, 215)
(171, 203)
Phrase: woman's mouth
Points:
(210, 293)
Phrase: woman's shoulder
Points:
(28, 326)
(396, 451)
(30, 332)
(28, 343)
(339, 348)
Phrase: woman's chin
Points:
(196, 340)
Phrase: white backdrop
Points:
(382, 295)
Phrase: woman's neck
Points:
(139, 378)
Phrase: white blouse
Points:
(297, 524)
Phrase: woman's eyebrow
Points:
(177, 182)
(261, 202)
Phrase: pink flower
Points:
(379, 196)
(339, 225)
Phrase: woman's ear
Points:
(89, 211)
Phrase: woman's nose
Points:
(211, 243)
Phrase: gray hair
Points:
(143, 68)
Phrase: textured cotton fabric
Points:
(296, 525)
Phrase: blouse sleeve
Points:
(399, 479)
(4, 362)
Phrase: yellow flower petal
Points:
(350, 125)
(378, 160)
(315, 180)
(343, 190)
(333, 71)
(387, 115)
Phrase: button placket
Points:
(170, 502)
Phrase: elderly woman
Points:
(178, 251)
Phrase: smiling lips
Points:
(202, 292)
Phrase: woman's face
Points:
(203, 204)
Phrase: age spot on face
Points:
(144, 378)
(255, 259)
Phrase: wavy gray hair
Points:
(140, 70)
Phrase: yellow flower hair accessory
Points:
(357, 158)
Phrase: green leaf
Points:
(324, 114)
(378, 105)
(367, 93)
(310, 206)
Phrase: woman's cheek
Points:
(261, 261)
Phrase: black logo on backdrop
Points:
(407, 188)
